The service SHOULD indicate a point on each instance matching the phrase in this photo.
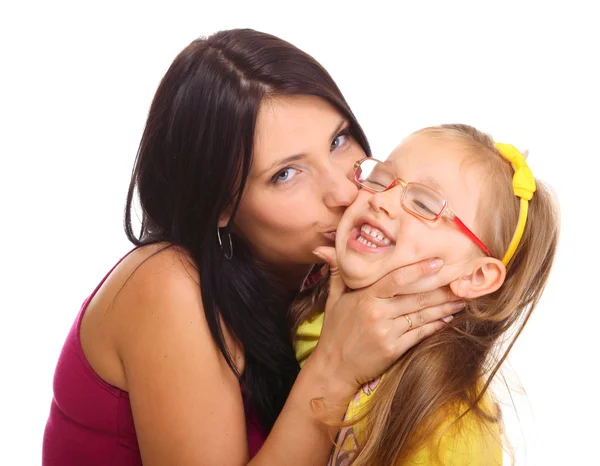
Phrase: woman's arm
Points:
(187, 403)
(365, 337)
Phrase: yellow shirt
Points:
(471, 442)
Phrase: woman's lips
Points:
(330, 235)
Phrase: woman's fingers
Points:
(396, 282)
(336, 284)
(422, 317)
(368, 329)
(408, 304)
(409, 339)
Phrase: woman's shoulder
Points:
(158, 288)
(161, 298)
(161, 263)
(145, 287)
(179, 383)
(154, 282)
(153, 274)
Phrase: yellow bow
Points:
(523, 180)
(523, 187)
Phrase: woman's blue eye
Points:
(339, 141)
(285, 175)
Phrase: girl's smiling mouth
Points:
(368, 236)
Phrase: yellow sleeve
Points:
(307, 337)
(471, 441)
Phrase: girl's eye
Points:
(340, 140)
(284, 175)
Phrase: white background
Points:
(76, 81)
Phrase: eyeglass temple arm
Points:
(462, 227)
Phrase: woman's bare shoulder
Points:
(182, 391)
(158, 285)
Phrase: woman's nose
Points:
(339, 190)
(388, 202)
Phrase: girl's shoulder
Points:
(464, 439)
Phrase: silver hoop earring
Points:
(230, 255)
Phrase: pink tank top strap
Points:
(89, 298)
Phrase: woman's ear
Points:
(487, 276)
(224, 218)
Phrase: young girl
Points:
(450, 192)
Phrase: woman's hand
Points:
(365, 331)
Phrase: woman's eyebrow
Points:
(296, 157)
(338, 128)
(283, 161)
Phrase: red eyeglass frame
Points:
(445, 211)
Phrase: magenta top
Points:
(90, 421)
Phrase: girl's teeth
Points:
(375, 233)
(362, 240)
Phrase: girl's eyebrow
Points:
(431, 182)
(427, 180)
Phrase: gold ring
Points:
(409, 321)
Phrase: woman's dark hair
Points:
(193, 162)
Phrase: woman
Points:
(183, 354)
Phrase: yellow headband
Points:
(524, 187)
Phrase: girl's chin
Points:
(357, 274)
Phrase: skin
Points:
(441, 165)
(316, 183)
(145, 331)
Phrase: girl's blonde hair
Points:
(455, 366)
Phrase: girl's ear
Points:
(488, 276)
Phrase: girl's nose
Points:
(389, 202)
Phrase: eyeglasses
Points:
(417, 199)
